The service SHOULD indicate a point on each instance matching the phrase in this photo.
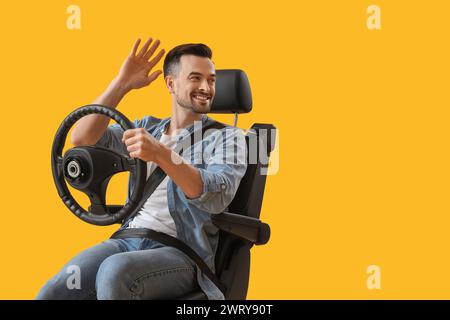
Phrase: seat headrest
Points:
(233, 94)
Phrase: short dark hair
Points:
(172, 59)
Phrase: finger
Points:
(134, 147)
(135, 139)
(153, 76)
(144, 48)
(152, 49)
(135, 154)
(136, 45)
(128, 134)
(156, 59)
(132, 132)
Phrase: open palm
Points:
(136, 68)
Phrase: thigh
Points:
(160, 273)
(76, 280)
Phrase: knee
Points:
(47, 292)
(54, 289)
(113, 280)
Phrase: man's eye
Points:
(195, 78)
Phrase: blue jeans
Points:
(132, 268)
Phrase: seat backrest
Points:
(232, 259)
(233, 254)
(260, 143)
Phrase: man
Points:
(181, 206)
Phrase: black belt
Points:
(171, 242)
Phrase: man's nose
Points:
(204, 86)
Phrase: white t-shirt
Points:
(155, 213)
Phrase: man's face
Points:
(194, 86)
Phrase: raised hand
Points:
(135, 71)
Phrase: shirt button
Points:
(223, 186)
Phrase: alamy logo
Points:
(74, 280)
(374, 278)
(73, 21)
(374, 18)
(230, 146)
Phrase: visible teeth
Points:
(201, 97)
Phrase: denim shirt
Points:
(220, 158)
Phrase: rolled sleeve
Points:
(112, 139)
(222, 174)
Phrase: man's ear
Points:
(170, 83)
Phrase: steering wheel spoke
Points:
(129, 164)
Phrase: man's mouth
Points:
(201, 97)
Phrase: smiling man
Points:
(182, 204)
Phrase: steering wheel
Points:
(89, 169)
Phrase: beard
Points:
(193, 105)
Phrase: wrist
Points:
(120, 86)
(162, 153)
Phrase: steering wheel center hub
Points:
(73, 169)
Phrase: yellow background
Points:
(363, 124)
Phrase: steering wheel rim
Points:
(137, 167)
